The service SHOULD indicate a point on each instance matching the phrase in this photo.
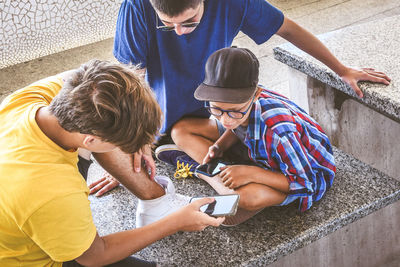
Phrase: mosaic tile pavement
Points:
(34, 28)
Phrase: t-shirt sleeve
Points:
(130, 42)
(63, 227)
(261, 21)
(44, 90)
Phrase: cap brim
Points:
(206, 92)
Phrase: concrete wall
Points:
(372, 138)
(34, 28)
(372, 241)
(351, 126)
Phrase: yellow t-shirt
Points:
(45, 216)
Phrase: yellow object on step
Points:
(183, 170)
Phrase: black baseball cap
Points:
(231, 76)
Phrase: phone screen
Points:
(211, 169)
(217, 168)
(225, 205)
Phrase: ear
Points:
(259, 90)
(89, 141)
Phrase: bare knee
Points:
(180, 129)
(256, 196)
(249, 200)
(203, 127)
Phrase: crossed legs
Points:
(194, 136)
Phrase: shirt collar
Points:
(254, 125)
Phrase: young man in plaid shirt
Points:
(287, 156)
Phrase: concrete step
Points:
(358, 191)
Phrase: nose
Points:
(178, 29)
(225, 118)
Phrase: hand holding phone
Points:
(224, 205)
(211, 168)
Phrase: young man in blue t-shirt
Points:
(171, 40)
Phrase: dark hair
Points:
(110, 101)
(173, 8)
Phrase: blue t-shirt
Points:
(175, 64)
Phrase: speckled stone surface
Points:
(358, 190)
(374, 44)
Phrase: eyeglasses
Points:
(186, 26)
(218, 112)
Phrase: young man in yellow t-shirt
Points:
(45, 217)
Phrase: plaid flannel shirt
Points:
(283, 137)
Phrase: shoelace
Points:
(183, 170)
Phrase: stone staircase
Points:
(276, 232)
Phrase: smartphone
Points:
(224, 205)
(211, 168)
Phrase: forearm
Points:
(113, 161)
(272, 179)
(123, 244)
(118, 246)
(120, 165)
(310, 44)
(115, 247)
(227, 139)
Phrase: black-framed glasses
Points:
(234, 114)
(186, 26)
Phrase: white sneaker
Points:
(149, 211)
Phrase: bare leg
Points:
(216, 183)
(257, 196)
(195, 136)
(252, 196)
(120, 165)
